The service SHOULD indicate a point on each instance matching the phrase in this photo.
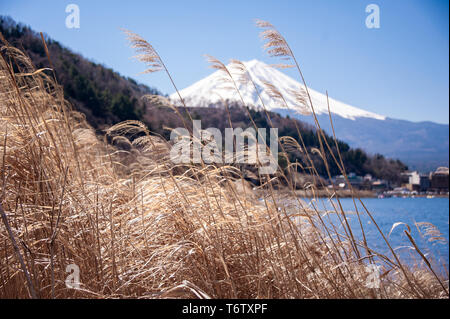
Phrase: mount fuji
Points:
(421, 145)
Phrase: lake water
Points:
(386, 212)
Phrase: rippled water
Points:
(388, 211)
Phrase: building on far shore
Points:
(436, 182)
(425, 182)
(354, 180)
(411, 181)
(380, 185)
(439, 180)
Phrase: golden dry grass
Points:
(139, 226)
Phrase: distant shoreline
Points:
(346, 193)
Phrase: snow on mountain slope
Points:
(209, 91)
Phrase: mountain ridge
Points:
(421, 145)
(197, 93)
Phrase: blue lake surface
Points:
(386, 212)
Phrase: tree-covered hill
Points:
(355, 159)
(102, 94)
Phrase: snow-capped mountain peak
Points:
(212, 89)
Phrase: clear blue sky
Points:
(400, 70)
